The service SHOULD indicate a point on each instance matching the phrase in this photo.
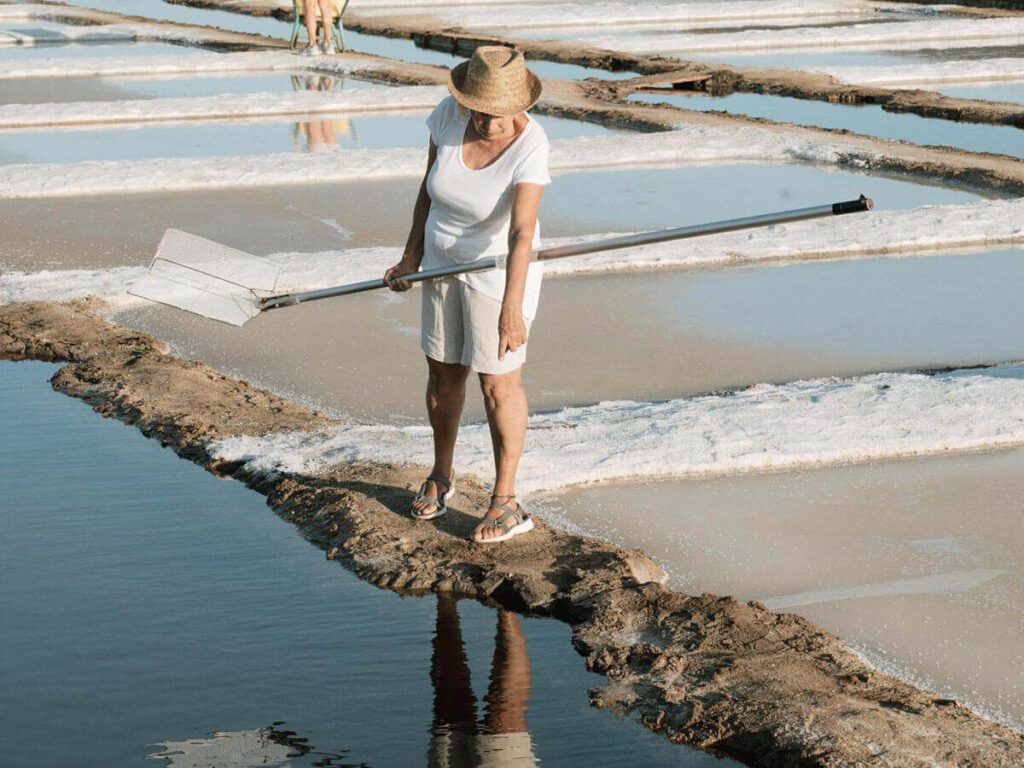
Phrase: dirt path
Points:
(734, 678)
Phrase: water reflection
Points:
(268, 746)
(322, 135)
(500, 737)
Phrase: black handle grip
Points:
(853, 206)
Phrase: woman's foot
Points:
(432, 500)
(328, 48)
(310, 50)
(504, 520)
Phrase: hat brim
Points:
(503, 108)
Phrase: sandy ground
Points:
(768, 688)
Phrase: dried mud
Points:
(769, 689)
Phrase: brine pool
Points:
(151, 609)
(866, 119)
(266, 135)
(115, 230)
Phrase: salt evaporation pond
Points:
(97, 48)
(113, 230)
(866, 119)
(919, 564)
(146, 601)
(41, 90)
(828, 59)
(242, 137)
(1012, 92)
(639, 336)
(394, 48)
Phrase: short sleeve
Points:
(533, 168)
(439, 119)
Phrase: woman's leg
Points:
(326, 15)
(505, 401)
(446, 394)
(309, 16)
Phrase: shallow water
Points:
(111, 230)
(90, 49)
(639, 336)
(866, 119)
(812, 60)
(920, 564)
(313, 133)
(394, 48)
(146, 601)
(48, 90)
(1011, 91)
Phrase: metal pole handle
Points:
(643, 238)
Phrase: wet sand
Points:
(919, 564)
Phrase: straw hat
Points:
(495, 81)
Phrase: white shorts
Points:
(460, 325)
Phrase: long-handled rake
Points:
(232, 286)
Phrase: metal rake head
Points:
(209, 279)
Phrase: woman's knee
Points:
(445, 375)
(498, 387)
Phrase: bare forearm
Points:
(519, 257)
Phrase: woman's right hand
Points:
(392, 277)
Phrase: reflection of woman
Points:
(320, 135)
(486, 171)
(502, 739)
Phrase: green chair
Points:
(298, 9)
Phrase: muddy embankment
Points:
(734, 678)
(723, 79)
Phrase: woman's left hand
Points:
(511, 330)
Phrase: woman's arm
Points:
(413, 254)
(511, 325)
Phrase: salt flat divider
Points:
(223, 106)
(814, 423)
(959, 71)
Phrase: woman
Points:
(486, 170)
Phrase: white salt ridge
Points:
(626, 14)
(178, 64)
(933, 229)
(688, 145)
(765, 427)
(52, 33)
(941, 32)
(959, 71)
(223, 106)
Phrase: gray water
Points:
(146, 601)
(866, 119)
(241, 137)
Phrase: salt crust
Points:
(688, 145)
(620, 14)
(929, 229)
(179, 64)
(226, 105)
(50, 33)
(937, 33)
(959, 71)
(764, 427)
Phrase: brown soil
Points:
(733, 678)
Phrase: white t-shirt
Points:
(471, 211)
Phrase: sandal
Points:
(440, 501)
(523, 522)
